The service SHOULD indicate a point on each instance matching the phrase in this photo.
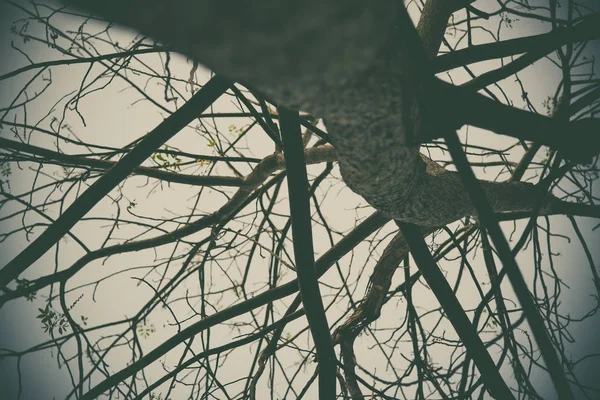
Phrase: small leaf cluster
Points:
(52, 320)
(236, 130)
(145, 330)
(167, 161)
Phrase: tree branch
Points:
(347, 243)
(457, 316)
(587, 29)
(579, 140)
(293, 150)
(248, 192)
(167, 129)
(434, 21)
(510, 265)
(274, 46)
(377, 110)
(86, 60)
(104, 165)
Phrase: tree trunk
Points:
(361, 66)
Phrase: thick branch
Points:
(555, 367)
(578, 140)
(304, 252)
(346, 244)
(84, 203)
(366, 76)
(276, 46)
(587, 29)
(457, 316)
(434, 20)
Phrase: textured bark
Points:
(351, 63)
(362, 67)
(380, 281)
(434, 20)
(100, 188)
(308, 280)
(277, 46)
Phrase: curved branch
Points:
(457, 316)
(587, 29)
(554, 365)
(242, 196)
(357, 235)
(434, 20)
(378, 106)
(84, 203)
(104, 165)
(85, 60)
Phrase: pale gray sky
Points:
(116, 116)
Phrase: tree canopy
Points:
(336, 200)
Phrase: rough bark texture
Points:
(277, 46)
(434, 20)
(360, 65)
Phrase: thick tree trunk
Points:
(291, 50)
(360, 65)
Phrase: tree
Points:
(323, 81)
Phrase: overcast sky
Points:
(115, 117)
